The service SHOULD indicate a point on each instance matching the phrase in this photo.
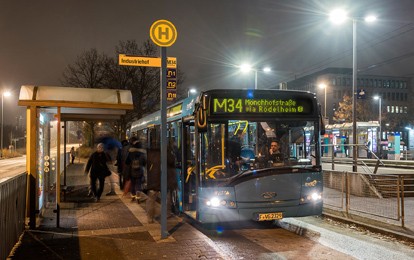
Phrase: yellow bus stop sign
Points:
(163, 33)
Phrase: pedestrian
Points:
(98, 169)
(120, 162)
(154, 179)
(135, 163)
(72, 154)
(368, 148)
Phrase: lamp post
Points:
(3, 94)
(379, 121)
(247, 68)
(324, 86)
(339, 16)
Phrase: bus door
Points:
(174, 133)
(189, 167)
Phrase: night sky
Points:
(40, 38)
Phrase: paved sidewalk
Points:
(114, 228)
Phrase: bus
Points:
(214, 184)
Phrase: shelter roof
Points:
(78, 103)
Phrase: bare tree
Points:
(88, 71)
(397, 121)
(94, 70)
(143, 82)
(364, 112)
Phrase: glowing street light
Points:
(245, 68)
(339, 16)
(191, 92)
(3, 94)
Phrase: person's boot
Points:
(111, 193)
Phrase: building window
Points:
(401, 110)
(392, 84)
(392, 109)
(388, 109)
(396, 109)
(405, 110)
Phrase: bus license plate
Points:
(270, 216)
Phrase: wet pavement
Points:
(117, 228)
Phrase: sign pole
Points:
(163, 34)
(164, 145)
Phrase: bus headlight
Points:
(313, 197)
(213, 202)
(217, 202)
(316, 196)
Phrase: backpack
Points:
(136, 167)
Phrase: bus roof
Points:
(181, 109)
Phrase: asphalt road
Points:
(321, 239)
(12, 167)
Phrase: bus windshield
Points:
(233, 146)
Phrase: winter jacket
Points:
(97, 164)
(154, 170)
(135, 153)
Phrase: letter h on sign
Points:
(165, 33)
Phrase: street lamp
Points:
(379, 114)
(379, 121)
(3, 94)
(339, 16)
(191, 92)
(245, 68)
(324, 86)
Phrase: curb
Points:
(385, 231)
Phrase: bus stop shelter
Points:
(48, 108)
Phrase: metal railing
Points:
(370, 195)
(12, 212)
